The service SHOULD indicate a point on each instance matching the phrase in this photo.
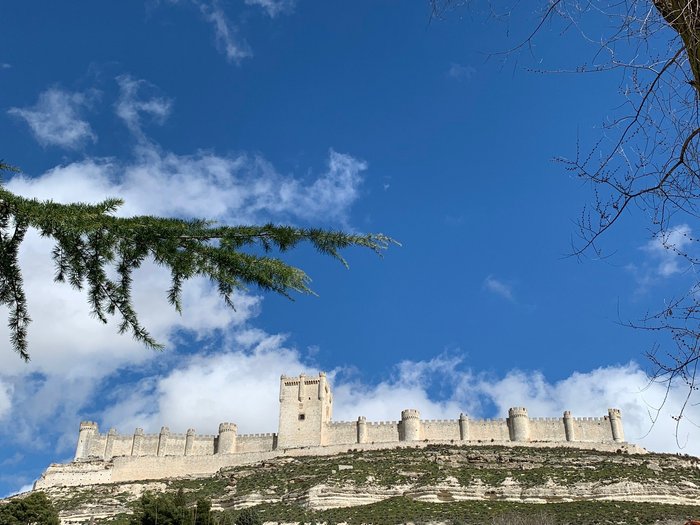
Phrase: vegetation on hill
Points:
(36, 508)
(302, 489)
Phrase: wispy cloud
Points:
(499, 288)
(132, 104)
(273, 7)
(665, 256)
(460, 72)
(56, 118)
(228, 42)
(5, 65)
(668, 248)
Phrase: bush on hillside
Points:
(248, 517)
(35, 509)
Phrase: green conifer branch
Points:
(90, 240)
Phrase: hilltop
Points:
(447, 483)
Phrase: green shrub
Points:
(35, 509)
(248, 517)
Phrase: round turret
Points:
(519, 424)
(87, 430)
(228, 433)
(569, 426)
(463, 427)
(616, 424)
(362, 429)
(189, 441)
(410, 422)
(137, 441)
(163, 441)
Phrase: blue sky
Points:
(364, 116)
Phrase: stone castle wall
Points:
(305, 425)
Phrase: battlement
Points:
(306, 423)
(410, 413)
(517, 412)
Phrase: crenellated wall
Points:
(305, 424)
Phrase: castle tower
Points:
(410, 425)
(163, 441)
(228, 433)
(362, 429)
(569, 426)
(463, 427)
(88, 429)
(518, 424)
(109, 443)
(616, 424)
(306, 406)
(137, 442)
(189, 441)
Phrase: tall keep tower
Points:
(306, 407)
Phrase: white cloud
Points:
(227, 41)
(5, 399)
(461, 72)
(251, 372)
(56, 119)
(238, 189)
(498, 287)
(667, 249)
(273, 7)
(73, 354)
(132, 104)
(223, 380)
(646, 408)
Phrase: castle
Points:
(306, 428)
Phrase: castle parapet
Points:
(518, 424)
(410, 425)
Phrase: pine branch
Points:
(90, 240)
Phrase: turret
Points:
(228, 433)
(88, 429)
(163, 440)
(189, 441)
(616, 425)
(137, 443)
(410, 424)
(109, 443)
(518, 424)
(463, 427)
(362, 429)
(569, 426)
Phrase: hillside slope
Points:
(463, 484)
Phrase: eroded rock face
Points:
(441, 474)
